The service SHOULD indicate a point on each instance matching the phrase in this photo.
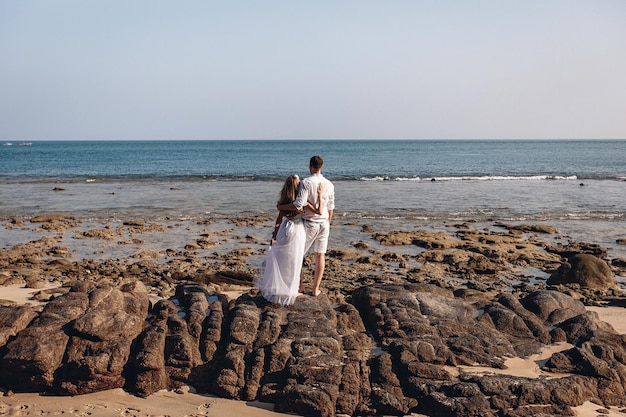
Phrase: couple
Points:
(305, 209)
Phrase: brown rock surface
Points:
(585, 270)
(316, 358)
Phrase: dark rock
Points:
(582, 327)
(456, 399)
(315, 371)
(357, 348)
(148, 362)
(619, 262)
(535, 323)
(387, 393)
(181, 338)
(100, 341)
(37, 352)
(513, 327)
(389, 352)
(536, 228)
(412, 312)
(47, 218)
(552, 306)
(585, 270)
(13, 320)
(231, 364)
(467, 263)
(424, 239)
(576, 248)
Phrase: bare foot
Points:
(316, 293)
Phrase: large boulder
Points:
(34, 356)
(423, 332)
(552, 306)
(182, 334)
(599, 353)
(101, 339)
(585, 270)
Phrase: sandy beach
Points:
(169, 404)
(116, 402)
(59, 249)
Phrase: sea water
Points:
(577, 185)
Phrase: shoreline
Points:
(116, 402)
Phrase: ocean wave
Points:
(279, 178)
(385, 178)
(486, 215)
(473, 178)
(591, 216)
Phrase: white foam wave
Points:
(592, 216)
(475, 178)
(375, 178)
(407, 179)
(507, 178)
(381, 178)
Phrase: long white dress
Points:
(280, 280)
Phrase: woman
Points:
(283, 262)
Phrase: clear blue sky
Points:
(200, 69)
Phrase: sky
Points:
(289, 69)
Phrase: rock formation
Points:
(392, 349)
(585, 270)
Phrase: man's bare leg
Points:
(320, 263)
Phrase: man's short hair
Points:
(316, 162)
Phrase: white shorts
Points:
(316, 236)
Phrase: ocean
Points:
(577, 185)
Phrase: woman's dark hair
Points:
(290, 190)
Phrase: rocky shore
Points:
(411, 321)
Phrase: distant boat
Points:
(25, 144)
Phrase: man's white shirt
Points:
(308, 193)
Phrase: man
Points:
(317, 225)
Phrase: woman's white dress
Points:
(280, 280)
